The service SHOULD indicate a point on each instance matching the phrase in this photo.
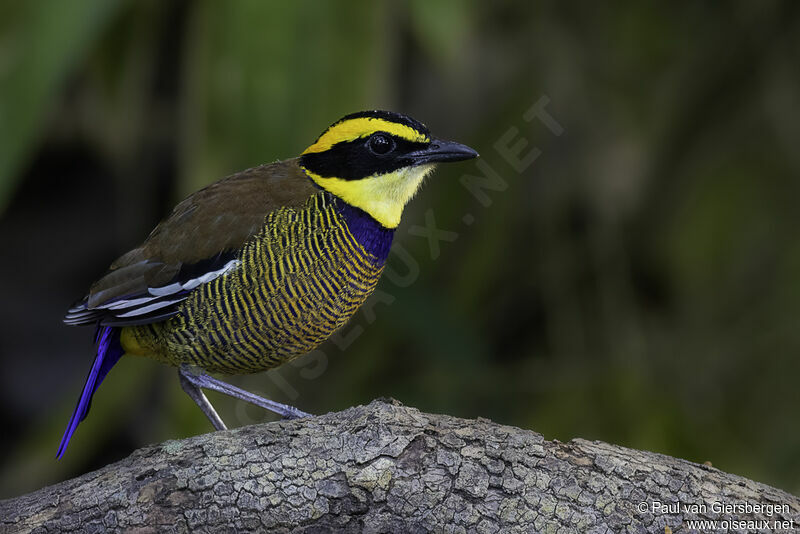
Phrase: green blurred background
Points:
(638, 283)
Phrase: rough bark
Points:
(389, 468)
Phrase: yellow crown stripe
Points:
(352, 129)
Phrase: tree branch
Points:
(389, 468)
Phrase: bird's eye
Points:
(381, 144)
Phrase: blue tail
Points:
(109, 351)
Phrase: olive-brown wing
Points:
(198, 242)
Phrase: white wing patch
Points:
(156, 299)
(150, 307)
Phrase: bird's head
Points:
(376, 161)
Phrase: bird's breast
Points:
(300, 279)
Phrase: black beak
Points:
(439, 151)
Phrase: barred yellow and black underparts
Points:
(298, 280)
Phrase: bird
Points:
(264, 265)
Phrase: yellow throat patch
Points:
(382, 196)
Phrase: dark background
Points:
(638, 282)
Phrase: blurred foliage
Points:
(40, 42)
(638, 283)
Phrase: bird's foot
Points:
(193, 379)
